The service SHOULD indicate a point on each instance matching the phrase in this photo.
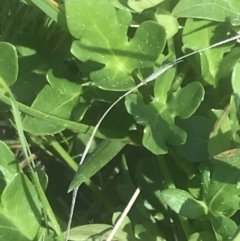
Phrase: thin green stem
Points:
(67, 124)
(171, 46)
(28, 156)
(60, 150)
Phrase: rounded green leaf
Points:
(186, 101)
(54, 102)
(8, 63)
(184, 204)
(18, 200)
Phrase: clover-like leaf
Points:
(215, 10)
(158, 117)
(103, 38)
(59, 99)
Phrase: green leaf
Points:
(223, 226)
(229, 157)
(59, 79)
(9, 230)
(158, 116)
(198, 129)
(199, 34)
(8, 167)
(21, 206)
(141, 5)
(104, 153)
(96, 232)
(220, 137)
(184, 204)
(223, 190)
(108, 44)
(235, 79)
(120, 4)
(148, 231)
(59, 103)
(8, 63)
(168, 21)
(228, 62)
(31, 78)
(215, 10)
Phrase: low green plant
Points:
(65, 65)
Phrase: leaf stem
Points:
(26, 150)
(180, 77)
(71, 125)
(60, 150)
(171, 46)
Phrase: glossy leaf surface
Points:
(216, 10)
(158, 117)
(108, 44)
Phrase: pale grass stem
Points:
(124, 214)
